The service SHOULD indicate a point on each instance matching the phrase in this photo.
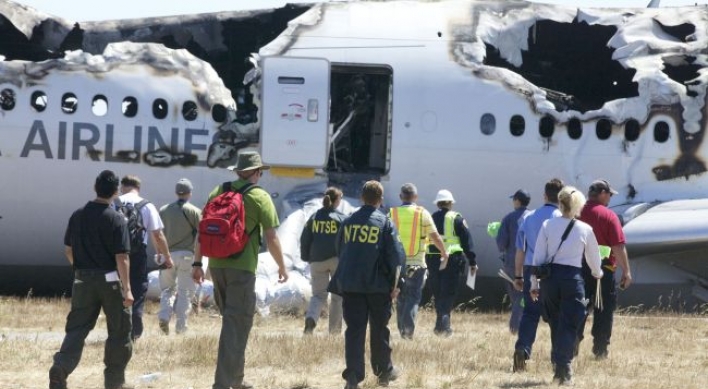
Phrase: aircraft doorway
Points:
(360, 119)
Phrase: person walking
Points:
(446, 282)
(525, 243)
(97, 245)
(414, 224)
(235, 277)
(317, 247)
(181, 219)
(151, 222)
(370, 260)
(562, 244)
(608, 230)
(506, 242)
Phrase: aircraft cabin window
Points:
(631, 130)
(603, 129)
(7, 99)
(575, 128)
(218, 113)
(99, 105)
(69, 103)
(546, 126)
(189, 111)
(38, 101)
(661, 131)
(159, 108)
(488, 124)
(130, 107)
(517, 125)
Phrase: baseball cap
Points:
(599, 186)
(183, 186)
(521, 195)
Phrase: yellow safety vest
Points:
(408, 220)
(450, 239)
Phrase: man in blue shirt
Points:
(506, 242)
(525, 243)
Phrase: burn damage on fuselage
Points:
(572, 62)
(225, 40)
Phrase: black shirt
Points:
(96, 233)
(317, 242)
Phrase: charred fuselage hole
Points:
(573, 62)
(575, 128)
(603, 129)
(517, 125)
(69, 103)
(38, 101)
(159, 108)
(7, 99)
(130, 107)
(218, 113)
(681, 68)
(683, 32)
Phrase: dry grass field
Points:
(648, 351)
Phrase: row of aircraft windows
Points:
(99, 105)
(546, 127)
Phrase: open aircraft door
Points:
(295, 112)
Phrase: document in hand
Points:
(471, 278)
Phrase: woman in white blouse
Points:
(563, 292)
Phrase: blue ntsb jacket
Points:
(369, 252)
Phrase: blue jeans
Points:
(562, 296)
(409, 299)
(529, 318)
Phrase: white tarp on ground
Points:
(293, 296)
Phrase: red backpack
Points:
(222, 230)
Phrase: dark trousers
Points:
(602, 319)
(563, 295)
(529, 318)
(139, 286)
(235, 296)
(358, 309)
(90, 293)
(444, 285)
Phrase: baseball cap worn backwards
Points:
(249, 160)
(599, 186)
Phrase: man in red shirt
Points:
(608, 231)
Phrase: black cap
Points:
(599, 186)
(521, 195)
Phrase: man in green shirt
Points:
(235, 278)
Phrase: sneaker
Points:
(391, 375)
(165, 327)
(310, 325)
(57, 377)
(519, 361)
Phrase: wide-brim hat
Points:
(249, 160)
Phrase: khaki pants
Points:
(320, 273)
(177, 289)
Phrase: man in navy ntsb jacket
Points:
(370, 259)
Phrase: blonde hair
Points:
(331, 195)
(571, 201)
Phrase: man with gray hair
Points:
(181, 220)
(414, 224)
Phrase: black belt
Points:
(91, 272)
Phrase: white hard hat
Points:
(444, 195)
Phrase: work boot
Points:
(310, 325)
(391, 375)
(600, 352)
(57, 377)
(165, 327)
(565, 374)
(519, 360)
